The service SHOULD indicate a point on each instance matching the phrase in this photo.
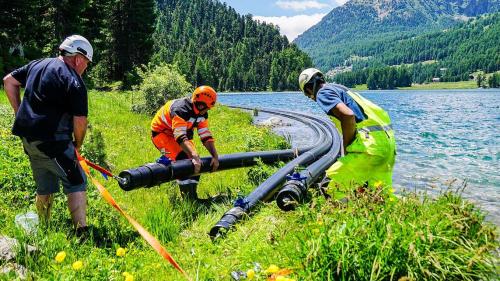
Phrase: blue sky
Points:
(292, 16)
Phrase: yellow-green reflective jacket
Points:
(374, 135)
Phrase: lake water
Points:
(444, 137)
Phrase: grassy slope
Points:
(431, 86)
(363, 238)
(443, 85)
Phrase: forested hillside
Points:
(469, 46)
(348, 32)
(450, 55)
(208, 41)
(212, 44)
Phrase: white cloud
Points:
(301, 5)
(294, 25)
(339, 2)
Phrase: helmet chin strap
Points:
(195, 110)
(315, 87)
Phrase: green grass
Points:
(361, 87)
(421, 238)
(431, 86)
(443, 85)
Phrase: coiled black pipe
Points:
(152, 174)
(267, 189)
(295, 189)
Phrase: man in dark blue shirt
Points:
(51, 120)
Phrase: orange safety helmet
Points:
(204, 94)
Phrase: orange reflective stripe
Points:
(162, 121)
(144, 233)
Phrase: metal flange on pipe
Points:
(294, 190)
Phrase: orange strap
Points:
(144, 233)
(97, 168)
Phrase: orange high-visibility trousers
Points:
(169, 144)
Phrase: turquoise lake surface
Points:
(445, 138)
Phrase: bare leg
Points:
(77, 204)
(44, 206)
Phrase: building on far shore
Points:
(337, 70)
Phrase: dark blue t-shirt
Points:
(332, 94)
(54, 93)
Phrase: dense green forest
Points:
(206, 40)
(451, 55)
(212, 44)
(120, 32)
(361, 26)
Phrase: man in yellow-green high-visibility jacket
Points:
(368, 138)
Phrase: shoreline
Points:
(363, 90)
(461, 85)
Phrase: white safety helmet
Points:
(306, 76)
(77, 44)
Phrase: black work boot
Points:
(188, 191)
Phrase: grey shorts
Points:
(54, 162)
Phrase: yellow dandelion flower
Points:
(128, 276)
(378, 184)
(320, 222)
(250, 274)
(77, 265)
(391, 199)
(121, 252)
(281, 278)
(272, 269)
(60, 256)
(393, 190)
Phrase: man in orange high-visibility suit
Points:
(172, 133)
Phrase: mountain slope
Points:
(450, 55)
(469, 46)
(362, 24)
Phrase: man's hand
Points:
(188, 147)
(197, 163)
(210, 146)
(214, 163)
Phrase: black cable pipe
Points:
(152, 174)
(295, 189)
(267, 189)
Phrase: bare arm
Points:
(13, 91)
(347, 121)
(210, 145)
(190, 150)
(79, 130)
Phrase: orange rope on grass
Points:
(144, 233)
